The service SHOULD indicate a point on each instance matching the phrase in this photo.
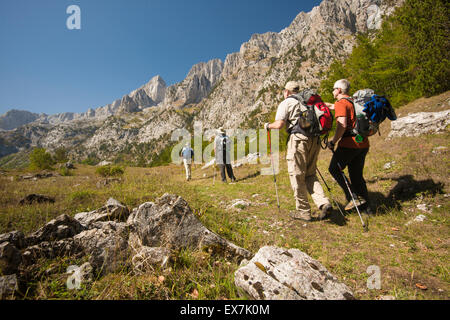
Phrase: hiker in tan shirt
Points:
(302, 154)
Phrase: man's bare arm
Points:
(341, 127)
(278, 124)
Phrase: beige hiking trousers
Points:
(302, 154)
(187, 167)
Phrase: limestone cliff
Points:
(238, 92)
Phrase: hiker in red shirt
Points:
(349, 152)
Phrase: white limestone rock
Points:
(279, 274)
(420, 123)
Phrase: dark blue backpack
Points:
(378, 108)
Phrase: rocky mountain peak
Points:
(211, 70)
(197, 85)
(155, 89)
(15, 118)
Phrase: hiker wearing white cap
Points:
(302, 154)
(222, 148)
(187, 153)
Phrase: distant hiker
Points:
(222, 149)
(350, 153)
(187, 153)
(302, 153)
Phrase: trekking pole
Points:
(273, 170)
(329, 191)
(347, 183)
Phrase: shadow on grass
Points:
(406, 189)
(250, 176)
(337, 217)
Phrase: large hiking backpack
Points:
(370, 111)
(363, 126)
(223, 144)
(378, 108)
(223, 149)
(315, 117)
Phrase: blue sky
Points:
(45, 67)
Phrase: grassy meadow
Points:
(413, 259)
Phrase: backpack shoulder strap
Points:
(354, 110)
(348, 99)
(351, 101)
(298, 103)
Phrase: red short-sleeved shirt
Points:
(344, 108)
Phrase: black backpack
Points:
(316, 118)
(222, 145)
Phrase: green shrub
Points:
(407, 59)
(90, 161)
(60, 155)
(40, 159)
(109, 171)
(65, 172)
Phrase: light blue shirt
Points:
(187, 153)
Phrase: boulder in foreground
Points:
(279, 274)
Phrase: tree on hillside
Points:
(407, 59)
(60, 155)
(40, 159)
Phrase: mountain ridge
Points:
(240, 90)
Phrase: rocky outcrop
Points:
(279, 274)
(149, 258)
(112, 211)
(36, 198)
(49, 250)
(8, 286)
(59, 228)
(107, 245)
(10, 258)
(417, 124)
(16, 238)
(146, 241)
(171, 223)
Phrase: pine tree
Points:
(406, 59)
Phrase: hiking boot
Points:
(297, 215)
(351, 204)
(325, 211)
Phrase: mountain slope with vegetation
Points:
(407, 59)
(235, 93)
(412, 256)
(407, 177)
